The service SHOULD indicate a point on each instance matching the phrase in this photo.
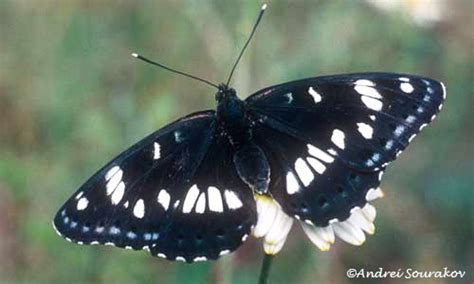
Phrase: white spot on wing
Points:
(190, 199)
(82, 203)
(410, 119)
(320, 154)
(304, 172)
(316, 96)
(224, 252)
(367, 91)
(176, 204)
(317, 165)
(407, 87)
(164, 199)
(139, 209)
(404, 79)
(444, 90)
(79, 195)
(365, 129)
(215, 199)
(199, 258)
(201, 203)
(232, 200)
(290, 97)
(114, 179)
(118, 193)
(399, 130)
(114, 230)
(365, 82)
(292, 185)
(372, 103)
(111, 172)
(156, 151)
(338, 138)
(178, 137)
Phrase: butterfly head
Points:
(225, 92)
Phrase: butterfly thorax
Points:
(232, 116)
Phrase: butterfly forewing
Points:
(366, 118)
(174, 193)
(328, 139)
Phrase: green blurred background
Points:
(71, 97)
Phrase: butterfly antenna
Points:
(262, 10)
(174, 70)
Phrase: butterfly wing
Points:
(175, 193)
(328, 139)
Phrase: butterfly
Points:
(312, 150)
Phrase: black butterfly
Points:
(313, 149)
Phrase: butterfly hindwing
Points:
(309, 183)
(175, 193)
(328, 139)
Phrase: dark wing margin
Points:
(329, 139)
(174, 193)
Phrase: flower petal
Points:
(349, 233)
(273, 248)
(358, 219)
(276, 236)
(318, 235)
(369, 212)
(267, 210)
(373, 194)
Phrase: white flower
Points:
(273, 225)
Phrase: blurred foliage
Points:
(71, 98)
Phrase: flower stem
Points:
(264, 272)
